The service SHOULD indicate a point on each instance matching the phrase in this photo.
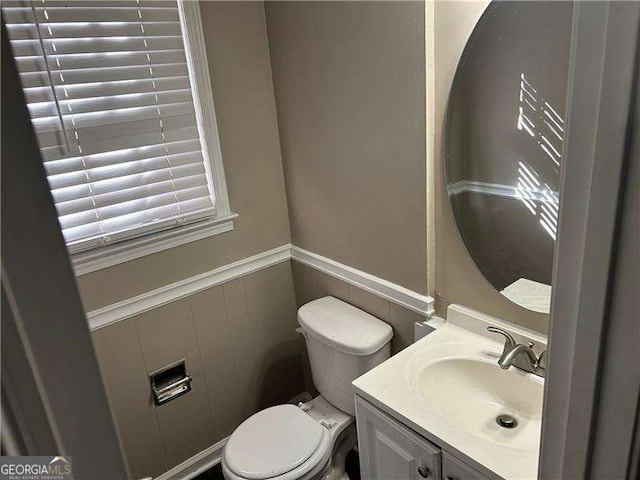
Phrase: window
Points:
(120, 99)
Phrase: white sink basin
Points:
(449, 388)
(472, 393)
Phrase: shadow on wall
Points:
(283, 366)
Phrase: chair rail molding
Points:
(169, 293)
(144, 302)
(392, 292)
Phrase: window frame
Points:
(103, 257)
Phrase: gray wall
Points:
(350, 93)
(458, 280)
(238, 54)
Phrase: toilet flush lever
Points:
(302, 332)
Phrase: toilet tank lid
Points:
(343, 326)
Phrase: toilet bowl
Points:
(311, 440)
(289, 442)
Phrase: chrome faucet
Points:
(519, 355)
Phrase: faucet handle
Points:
(543, 359)
(509, 342)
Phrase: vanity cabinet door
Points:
(455, 469)
(389, 450)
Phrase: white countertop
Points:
(391, 387)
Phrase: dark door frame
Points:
(54, 402)
(593, 381)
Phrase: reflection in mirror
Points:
(505, 127)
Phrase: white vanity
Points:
(432, 411)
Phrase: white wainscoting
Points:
(392, 292)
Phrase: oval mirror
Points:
(503, 144)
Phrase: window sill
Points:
(94, 260)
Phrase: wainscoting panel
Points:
(272, 314)
(167, 335)
(218, 362)
(240, 348)
(127, 384)
(241, 342)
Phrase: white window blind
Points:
(108, 88)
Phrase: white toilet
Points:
(311, 440)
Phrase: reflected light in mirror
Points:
(532, 191)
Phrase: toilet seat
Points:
(280, 442)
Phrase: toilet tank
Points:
(343, 342)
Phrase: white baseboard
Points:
(199, 463)
(392, 292)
